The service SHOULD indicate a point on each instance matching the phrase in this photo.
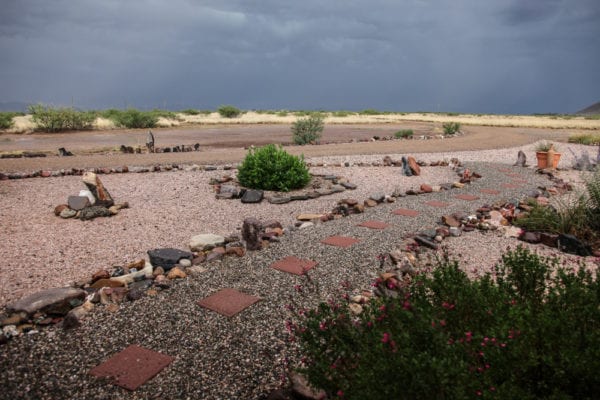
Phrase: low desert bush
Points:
(404, 134)
(370, 111)
(585, 138)
(308, 130)
(272, 168)
(133, 118)
(6, 119)
(341, 114)
(451, 128)
(190, 111)
(530, 330)
(57, 119)
(229, 111)
(580, 216)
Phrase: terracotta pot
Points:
(543, 162)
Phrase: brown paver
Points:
(467, 197)
(294, 265)
(490, 191)
(132, 367)
(340, 241)
(510, 186)
(435, 203)
(228, 302)
(374, 225)
(405, 212)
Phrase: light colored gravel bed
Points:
(215, 357)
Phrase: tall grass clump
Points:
(229, 111)
(308, 130)
(57, 119)
(190, 111)
(451, 128)
(579, 216)
(530, 330)
(272, 168)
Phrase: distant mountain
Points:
(16, 106)
(593, 109)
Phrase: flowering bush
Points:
(530, 330)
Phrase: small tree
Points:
(229, 111)
(308, 130)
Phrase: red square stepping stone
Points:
(505, 170)
(509, 186)
(467, 197)
(340, 241)
(435, 203)
(293, 265)
(405, 212)
(490, 191)
(228, 302)
(374, 225)
(132, 367)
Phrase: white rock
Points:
(10, 331)
(200, 242)
(89, 195)
(306, 225)
(184, 262)
(129, 278)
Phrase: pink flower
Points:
(386, 338)
(448, 306)
(406, 305)
(322, 326)
(340, 393)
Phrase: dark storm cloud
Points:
(493, 56)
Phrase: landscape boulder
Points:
(167, 257)
(56, 301)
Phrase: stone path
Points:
(221, 334)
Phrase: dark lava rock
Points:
(570, 244)
(168, 257)
(252, 196)
(94, 212)
(251, 231)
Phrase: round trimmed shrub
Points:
(272, 168)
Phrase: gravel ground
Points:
(215, 357)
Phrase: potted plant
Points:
(547, 155)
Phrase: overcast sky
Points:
(486, 56)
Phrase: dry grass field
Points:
(24, 124)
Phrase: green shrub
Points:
(579, 216)
(190, 111)
(6, 119)
(585, 138)
(133, 118)
(524, 333)
(404, 134)
(229, 111)
(308, 130)
(370, 111)
(341, 114)
(57, 119)
(282, 113)
(272, 168)
(451, 128)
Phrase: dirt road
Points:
(226, 144)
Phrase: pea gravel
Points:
(242, 357)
